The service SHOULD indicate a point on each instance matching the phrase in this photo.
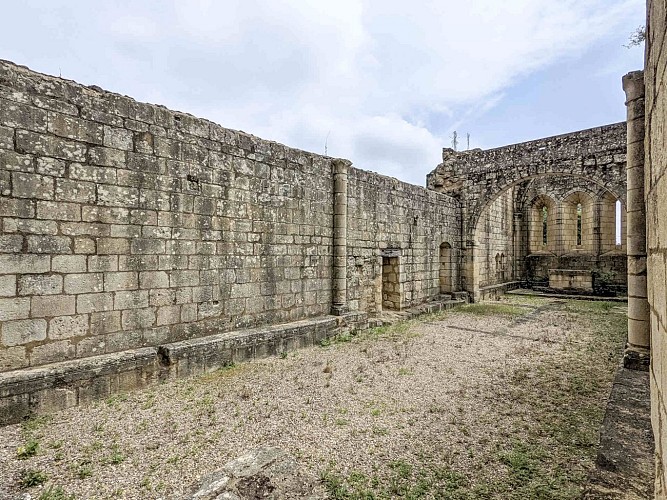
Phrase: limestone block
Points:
(50, 166)
(154, 279)
(183, 278)
(75, 191)
(44, 145)
(116, 246)
(84, 245)
(121, 341)
(64, 327)
(11, 243)
(99, 116)
(52, 305)
(135, 299)
(120, 281)
(91, 173)
(34, 186)
(147, 246)
(101, 263)
(6, 138)
(107, 215)
(53, 352)
(117, 196)
(133, 319)
(104, 322)
(13, 358)
(17, 115)
(107, 157)
(188, 313)
(24, 263)
(40, 284)
(8, 285)
(161, 296)
(57, 399)
(23, 331)
(142, 262)
(68, 264)
(58, 210)
(94, 302)
(168, 315)
(118, 138)
(49, 244)
(84, 283)
(70, 127)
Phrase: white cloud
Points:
(386, 80)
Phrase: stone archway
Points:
(479, 178)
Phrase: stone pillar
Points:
(519, 257)
(597, 227)
(339, 281)
(637, 351)
(559, 233)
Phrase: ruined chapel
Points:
(139, 243)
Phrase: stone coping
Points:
(47, 388)
(582, 272)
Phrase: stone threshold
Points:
(389, 317)
(493, 292)
(43, 389)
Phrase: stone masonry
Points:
(139, 243)
(654, 161)
(126, 225)
(539, 205)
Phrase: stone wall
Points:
(412, 222)
(125, 225)
(479, 176)
(655, 178)
(502, 192)
(494, 242)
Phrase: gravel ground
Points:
(442, 407)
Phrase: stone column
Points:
(637, 350)
(519, 257)
(339, 281)
(597, 227)
(559, 233)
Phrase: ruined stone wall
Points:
(384, 213)
(595, 250)
(125, 225)
(585, 161)
(655, 177)
(494, 242)
(478, 176)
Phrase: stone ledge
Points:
(494, 291)
(624, 464)
(28, 392)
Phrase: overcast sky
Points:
(381, 82)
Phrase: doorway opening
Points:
(446, 268)
(391, 288)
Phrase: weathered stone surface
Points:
(655, 196)
(625, 455)
(261, 473)
(64, 327)
(14, 308)
(68, 264)
(52, 305)
(40, 284)
(23, 331)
